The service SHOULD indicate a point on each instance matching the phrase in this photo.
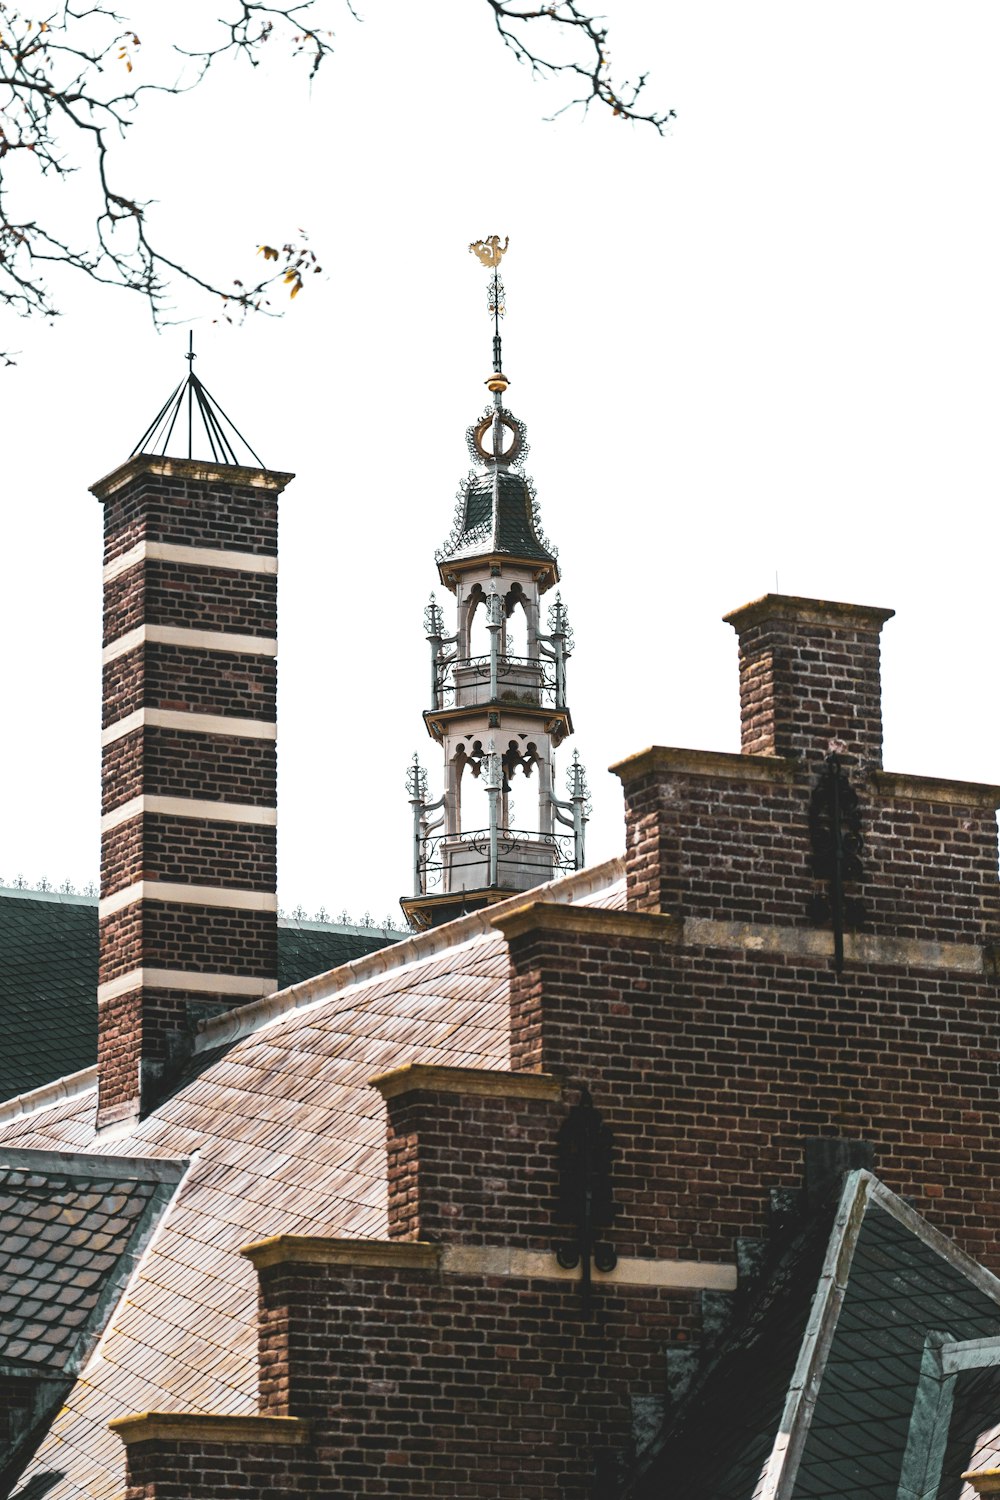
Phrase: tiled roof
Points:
(514, 530)
(48, 987)
(62, 1232)
(71, 1231)
(286, 1137)
(48, 979)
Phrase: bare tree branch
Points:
(591, 64)
(63, 109)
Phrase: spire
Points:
(496, 513)
(490, 253)
(197, 411)
(498, 706)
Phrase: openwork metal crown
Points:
(189, 412)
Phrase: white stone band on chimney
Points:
(197, 981)
(192, 640)
(190, 722)
(193, 557)
(177, 894)
(190, 807)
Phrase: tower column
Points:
(188, 908)
(498, 700)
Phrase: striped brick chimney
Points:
(188, 909)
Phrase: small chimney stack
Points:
(188, 908)
(809, 679)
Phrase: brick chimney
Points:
(188, 910)
(809, 678)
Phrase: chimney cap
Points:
(808, 612)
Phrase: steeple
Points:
(498, 705)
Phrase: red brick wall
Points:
(470, 1170)
(423, 1385)
(724, 843)
(181, 507)
(198, 1470)
(713, 1067)
(809, 675)
(172, 763)
(154, 592)
(189, 851)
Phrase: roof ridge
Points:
(66, 898)
(232, 1025)
(169, 1169)
(49, 1093)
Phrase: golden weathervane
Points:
(490, 250)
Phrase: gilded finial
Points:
(489, 253)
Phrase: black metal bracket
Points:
(585, 1196)
(837, 844)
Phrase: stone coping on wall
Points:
(234, 476)
(583, 921)
(487, 1083)
(807, 611)
(487, 1260)
(310, 1250)
(185, 1427)
(935, 789)
(717, 764)
(984, 1481)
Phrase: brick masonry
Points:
(234, 684)
(809, 678)
(184, 504)
(171, 763)
(714, 1063)
(154, 592)
(189, 851)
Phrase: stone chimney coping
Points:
(310, 1250)
(718, 764)
(984, 1481)
(184, 1427)
(486, 1083)
(808, 611)
(189, 468)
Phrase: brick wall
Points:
(188, 547)
(171, 763)
(713, 1066)
(716, 1036)
(809, 675)
(420, 1384)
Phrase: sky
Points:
(758, 352)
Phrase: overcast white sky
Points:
(764, 345)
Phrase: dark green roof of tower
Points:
(496, 513)
(496, 509)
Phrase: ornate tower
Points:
(498, 705)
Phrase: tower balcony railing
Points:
(507, 859)
(465, 682)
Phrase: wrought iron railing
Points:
(456, 862)
(466, 681)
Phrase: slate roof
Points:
(48, 978)
(48, 987)
(845, 1423)
(496, 514)
(71, 1231)
(285, 1137)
